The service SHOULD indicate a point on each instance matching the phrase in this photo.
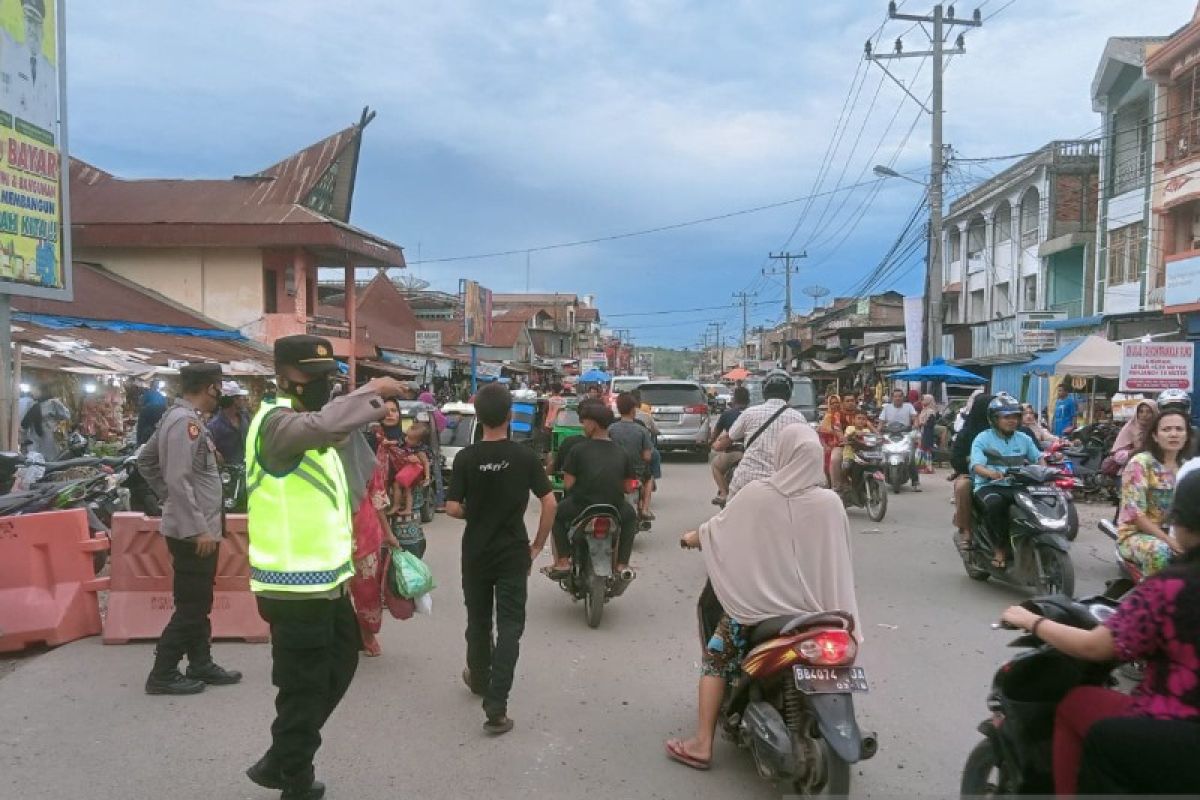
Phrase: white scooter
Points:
(899, 452)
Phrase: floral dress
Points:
(1147, 487)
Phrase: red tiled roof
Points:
(587, 314)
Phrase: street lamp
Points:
(887, 172)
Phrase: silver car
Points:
(682, 412)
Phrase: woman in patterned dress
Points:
(1147, 486)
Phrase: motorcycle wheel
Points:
(427, 512)
(895, 479)
(593, 601)
(1072, 522)
(982, 776)
(974, 571)
(876, 497)
(1057, 573)
(837, 778)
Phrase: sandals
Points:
(999, 562)
(675, 752)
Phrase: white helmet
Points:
(1175, 399)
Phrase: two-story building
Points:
(244, 250)
(1018, 252)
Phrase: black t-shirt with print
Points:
(493, 481)
(600, 467)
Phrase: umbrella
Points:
(736, 374)
(939, 370)
(595, 376)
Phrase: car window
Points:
(802, 393)
(625, 385)
(457, 432)
(681, 394)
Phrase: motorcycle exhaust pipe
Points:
(627, 575)
(870, 745)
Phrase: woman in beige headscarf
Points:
(781, 547)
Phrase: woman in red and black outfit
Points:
(1147, 742)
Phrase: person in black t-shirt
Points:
(594, 473)
(490, 488)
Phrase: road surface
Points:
(592, 707)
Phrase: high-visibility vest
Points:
(301, 534)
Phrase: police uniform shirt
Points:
(180, 464)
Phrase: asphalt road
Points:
(592, 707)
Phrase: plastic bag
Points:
(400, 607)
(425, 604)
(410, 575)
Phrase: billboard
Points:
(1154, 366)
(34, 252)
(477, 312)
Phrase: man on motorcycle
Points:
(637, 443)
(724, 463)
(861, 424)
(901, 412)
(993, 490)
(594, 473)
(759, 427)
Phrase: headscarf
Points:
(782, 545)
(971, 401)
(1133, 434)
(914, 396)
(439, 419)
(928, 409)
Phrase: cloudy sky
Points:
(514, 126)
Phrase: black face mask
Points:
(312, 394)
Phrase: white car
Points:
(462, 428)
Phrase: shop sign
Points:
(428, 341)
(1183, 286)
(1155, 366)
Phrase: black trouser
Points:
(314, 655)
(572, 507)
(996, 501)
(500, 585)
(189, 631)
(1139, 755)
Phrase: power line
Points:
(679, 310)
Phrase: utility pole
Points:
(943, 23)
(788, 271)
(720, 347)
(744, 300)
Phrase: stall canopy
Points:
(939, 370)
(736, 374)
(1088, 357)
(595, 376)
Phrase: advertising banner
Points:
(33, 223)
(477, 312)
(914, 325)
(1154, 366)
(429, 341)
(1182, 292)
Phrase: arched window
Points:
(1030, 216)
(1002, 222)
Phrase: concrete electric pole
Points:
(943, 23)
(788, 271)
(743, 299)
(720, 341)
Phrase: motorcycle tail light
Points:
(600, 527)
(828, 648)
(632, 485)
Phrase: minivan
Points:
(680, 408)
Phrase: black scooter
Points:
(1039, 518)
(594, 536)
(1015, 756)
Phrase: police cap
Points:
(309, 354)
(197, 372)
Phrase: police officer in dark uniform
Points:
(180, 464)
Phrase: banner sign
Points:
(1154, 366)
(488, 369)
(33, 224)
(477, 312)
(429, 341)
(914, 325)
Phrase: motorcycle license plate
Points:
(1042, 491)
(830, 680)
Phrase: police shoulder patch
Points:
(193, 431)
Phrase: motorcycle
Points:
(865, 478)
(233, 488)
(899, 446)
(1015, 756)
(1037, 528)
(594, 578)
(792, 705)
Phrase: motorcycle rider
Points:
(759, 428)
(594, 473)
(901, 412)
(861, 425)
(724, 463)
(1179, 400)
(638, 444)
(993, 489)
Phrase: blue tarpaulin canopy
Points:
(939, 370)
(595, 376)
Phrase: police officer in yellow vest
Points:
(301, 548)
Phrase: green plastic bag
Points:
(410, 576)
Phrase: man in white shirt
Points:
(759, 427)
(901, 411)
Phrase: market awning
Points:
(1089, 357)
(736, 374)
(386, 368)
(831, 366)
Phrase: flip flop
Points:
(555, 574)
(675, 752)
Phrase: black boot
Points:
(302, 787)
(266, 774)
(172, 683)
(213, 674)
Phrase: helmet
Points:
(777, 385)
(1003, 405)
(1175, 399)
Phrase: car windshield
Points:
(673, 394)
(457, 432)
